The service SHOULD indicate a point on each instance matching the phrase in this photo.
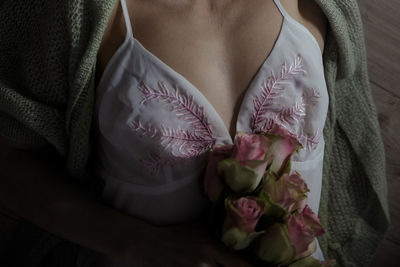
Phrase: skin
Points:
(225, 41)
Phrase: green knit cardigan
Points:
(47, 67)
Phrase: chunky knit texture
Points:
(48, 54)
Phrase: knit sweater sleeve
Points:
(32, 77)
(354, 206)
(47, 60)
(48, 53)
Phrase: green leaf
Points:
(273, 212)
(241, 179)
(274, 245)
(237, 239)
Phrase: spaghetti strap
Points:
(281, 9)
(286, 16)
(128, 25)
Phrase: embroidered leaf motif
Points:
(268, 124)
(270, 92)
(148, 131)
(263, 102)
(183, 106)
(312, 97)
(182, 144)
(293, 114)
(266, 110)
(154, 162)
(309, 141)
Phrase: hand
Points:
(184, 245)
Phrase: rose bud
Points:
(304, 227)
(245, 169)
(212, 184)
(289, 191)
(241, 220)
(283, 145)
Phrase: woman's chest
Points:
(219, 49)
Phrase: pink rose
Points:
(243, 171)
(283, 145)
(242, 217)
(212, 184)
(303, 228)
(312, 221)
(250, 147)
(243, 213)
(289, 191)
(250, 151)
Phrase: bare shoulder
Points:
(112, 38)
(308, 13)
(314, 19)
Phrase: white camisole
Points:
(154, 127)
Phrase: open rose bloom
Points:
(262, 204)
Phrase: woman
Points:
(343, 64)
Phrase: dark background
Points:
(381, 21)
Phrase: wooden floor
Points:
(381, 21)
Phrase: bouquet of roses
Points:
(259, 206)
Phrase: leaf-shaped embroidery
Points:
(148, 130)
(154, 162)
(180, 142)
(294, 113)
(183, 106)
(268, 124)
(266, 111)
(270, 92)
(310, 141)
(309, 98)
(184, 143)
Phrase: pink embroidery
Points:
(182, 144)
(148, 131)
(309, 141)
(269, 94)
(185, 144)
(311, 98)
(293, 114)
(183, 107)
(265, 113)
(268, 124)
(154, 162)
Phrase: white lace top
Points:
(154, 127)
